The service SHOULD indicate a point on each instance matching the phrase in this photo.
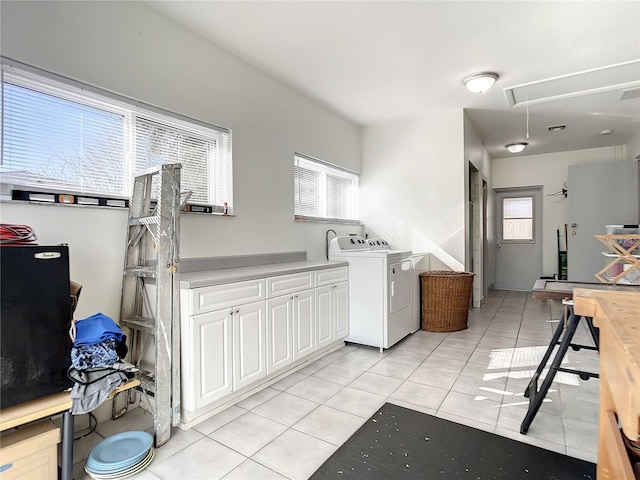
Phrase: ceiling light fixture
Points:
(480, 82)
(516, 147)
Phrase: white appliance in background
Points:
(380, 290)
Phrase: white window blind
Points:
(59, 136)
(323, 192)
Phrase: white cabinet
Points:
(279, 332)
(332, 305)
(209, 361)
(324, 315)
(290, 319)
(341, 310)
(304, 322)
(236, 334)
(249, 329)
(223, 340)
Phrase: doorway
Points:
(518, 237)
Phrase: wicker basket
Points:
(446, 297)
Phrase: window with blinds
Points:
(323, 192)
(61, 136)
(517, 220)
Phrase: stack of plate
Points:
(120, 456)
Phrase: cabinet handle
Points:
(291, 297)
(295, 296)
(231, 312)
(237, 311)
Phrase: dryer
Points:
(380, 290)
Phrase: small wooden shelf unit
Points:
(626, 251)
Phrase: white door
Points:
(249, 329)
(599, 194)
(518, 237)
(303, 323)
(279, 332)
(341, 310)
(324, 316)
(211, 377)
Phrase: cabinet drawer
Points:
(208, 299)
(332, 275)
(30, 452)
(289, 283)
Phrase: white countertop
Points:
(206, 278)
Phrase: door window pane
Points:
(517, 219)
(517, 229)
(521, 207)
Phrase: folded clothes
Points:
(96, 355)
(95, 329)
(92, 375)
(91, 393)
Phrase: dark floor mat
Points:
(399, 443)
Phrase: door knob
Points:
(574, 225)
(499, 245)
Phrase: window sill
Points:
(124, 206)
(340, 221)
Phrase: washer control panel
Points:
(351, 243)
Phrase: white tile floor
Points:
(475, 377)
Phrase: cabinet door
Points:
(304, 315)
(324, 316)
(210, 375)
(279, 332)
(341, 310)
(249, 342)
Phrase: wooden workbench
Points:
(46, 407)
(617, 314)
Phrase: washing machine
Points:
(380, 290)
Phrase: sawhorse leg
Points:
(536, 397)
(533, 384)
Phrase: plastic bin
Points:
(622, 229)
(446, 298)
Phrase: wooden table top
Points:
(621, 309)
(34, 410)
(45, 407)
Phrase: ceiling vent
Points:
(629, 94)
(556, 128)
(613, 77)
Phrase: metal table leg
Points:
(66, 463)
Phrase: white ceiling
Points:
(375, 62)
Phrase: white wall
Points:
(412, 188)
(633, 147)
(550, 171)
(132, 49)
